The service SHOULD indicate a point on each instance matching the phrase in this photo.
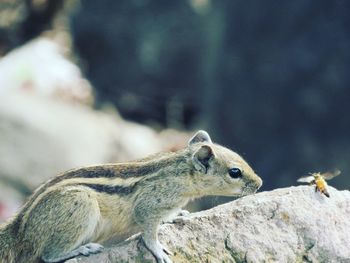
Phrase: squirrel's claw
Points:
(182, 218)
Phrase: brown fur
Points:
(94, 204)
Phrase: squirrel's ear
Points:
(200, 136)
(202, 157)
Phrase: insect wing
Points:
(330, 175)
(306, 179)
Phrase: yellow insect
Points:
(319, 180)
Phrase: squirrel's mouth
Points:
(250, 189)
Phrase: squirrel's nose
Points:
(254, 184)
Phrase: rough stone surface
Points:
(42, 67)
(40, 138)
(285, 225)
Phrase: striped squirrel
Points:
(74, 212)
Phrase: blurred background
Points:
(85, 82)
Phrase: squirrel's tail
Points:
(7, 244)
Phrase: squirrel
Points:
(73, 213)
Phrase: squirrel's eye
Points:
(235, 173)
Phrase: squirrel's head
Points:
(219, 170)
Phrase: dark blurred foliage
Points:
(144, 56)
(267, 78)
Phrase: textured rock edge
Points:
(294, 224)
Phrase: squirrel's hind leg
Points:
(64, 232)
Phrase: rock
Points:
(41, 137)
(42, 67)
(293, 224)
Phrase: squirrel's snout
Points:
(255, 184)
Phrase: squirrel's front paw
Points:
(183, 212)
(182, 218)
(159, 251)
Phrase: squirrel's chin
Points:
(249, 191)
